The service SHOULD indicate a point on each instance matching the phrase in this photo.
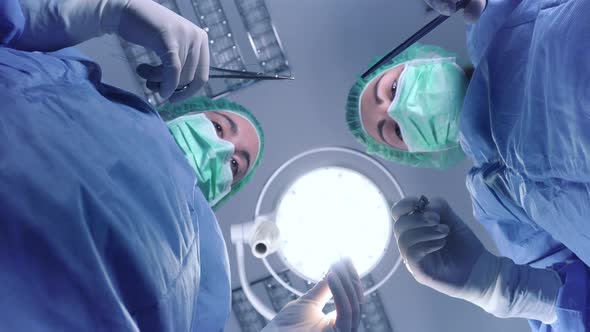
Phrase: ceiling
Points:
(328, 43)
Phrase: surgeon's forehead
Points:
(227, 111)
(242, 117)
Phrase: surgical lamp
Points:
(319, 206)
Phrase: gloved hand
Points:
(443, 253)
(305, 314)
(447, 7)
(182, 46)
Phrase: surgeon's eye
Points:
(218, 129)
(398, 132)
(393, 89)
(235, 166)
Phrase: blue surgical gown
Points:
(102, 225)
(526, 125)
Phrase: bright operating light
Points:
(330, 213)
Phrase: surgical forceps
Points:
(240, 74)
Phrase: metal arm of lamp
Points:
(262, 236)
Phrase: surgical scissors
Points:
(414, 38)
(240, 74)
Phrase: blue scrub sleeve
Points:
(572, 305)
(12, 21)
(520, 238)
(97, 232)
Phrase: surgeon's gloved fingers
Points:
(443, 209)
(346, 280)
(416, 236)
(171, 67)
(403, 207)
(438, 205)
(358, 285)
(318, 294)
(445, 7)
(359, 291)
(154, 86)
(342, 302)
(152, 75)
(149, 72)
(202, 75)
(189, 66)
(200, 71)
(417, 252)
(187, 86)
(417, 220)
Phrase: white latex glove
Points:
(441, 252)
(305, 314)
(182, 46)
(447, 7)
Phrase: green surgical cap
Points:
(438, 159)
(205, 104)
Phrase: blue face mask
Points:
(208, 154)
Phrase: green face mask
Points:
(208, 154)
(428, 103)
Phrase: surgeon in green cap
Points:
(522, 119)
(221, 140)
(408, 110)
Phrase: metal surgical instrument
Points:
(413, 38)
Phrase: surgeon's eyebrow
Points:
(246, 155)
(232, 125)
(378, 99)
(380, 126)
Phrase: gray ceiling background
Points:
(328, 43)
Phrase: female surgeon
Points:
(523, 120)
(105, 211)
(202, 126)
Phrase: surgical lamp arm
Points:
(262, 308)
(262, 237)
